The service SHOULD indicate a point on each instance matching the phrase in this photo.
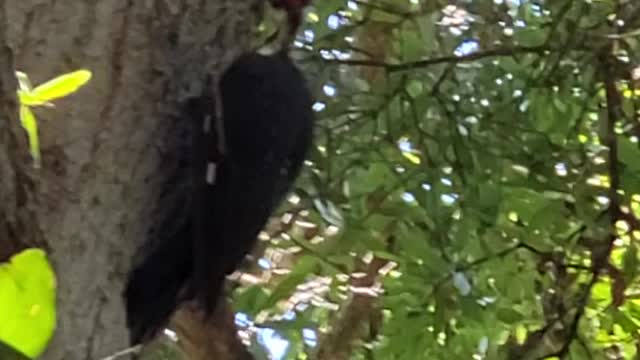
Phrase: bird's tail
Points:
(155, 286)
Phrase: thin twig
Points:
(129, 351)
(450, 59)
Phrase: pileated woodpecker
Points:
(241, 166)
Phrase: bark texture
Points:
(105, 149)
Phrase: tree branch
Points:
(451, 59)
(600, 256)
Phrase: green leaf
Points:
(486, 199)
(30, 125)
(630, 262)
(629, 153)
(29, 99)
(41, 96)
(415, 88)
(58, 87)
(251, 300)
(27, 302)
(632, 308)
(329, 212)
(299, 273)
(530, 37)
(509, 315)
(525, 203)
(627, 323)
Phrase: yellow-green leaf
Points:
(30, 99)
(412, 156)
(27, 302)
(61, 86)
(30, 125)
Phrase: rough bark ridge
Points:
(104, 149)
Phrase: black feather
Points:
(266, 131)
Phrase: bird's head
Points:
(293, 8)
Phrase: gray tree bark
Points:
(89, 204)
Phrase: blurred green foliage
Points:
(468, 147)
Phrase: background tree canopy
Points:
(473, 192)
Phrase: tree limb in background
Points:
(349, 327)
(213, 339)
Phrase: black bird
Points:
(241, 166)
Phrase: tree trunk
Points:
(105, 149)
